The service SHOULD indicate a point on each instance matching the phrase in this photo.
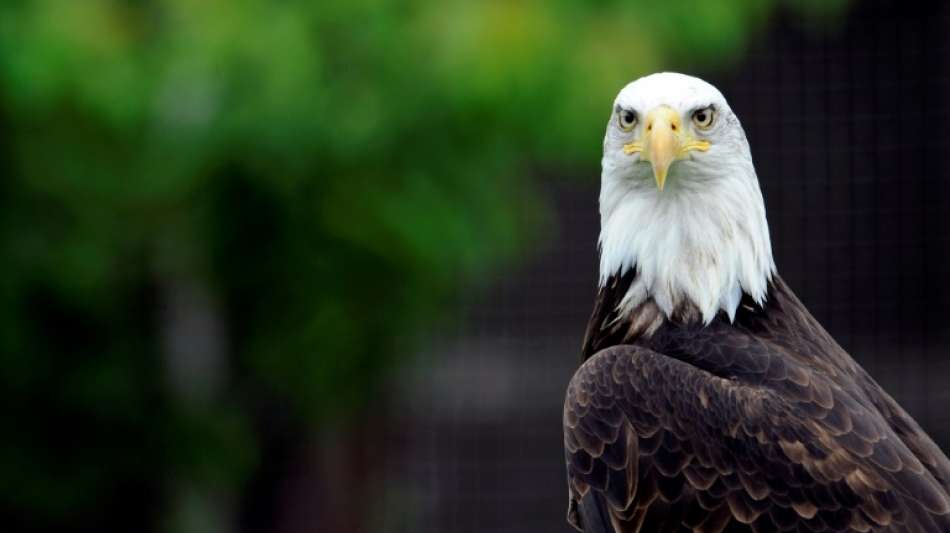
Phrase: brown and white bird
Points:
(710, 399)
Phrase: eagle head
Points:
(680, 201)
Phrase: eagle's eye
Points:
(703, 118)
(628, 119)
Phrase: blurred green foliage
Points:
(323, 175)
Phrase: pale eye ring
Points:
(703, 118)
(627, 119)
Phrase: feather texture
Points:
(703, 239)
(710, 399)
(759, 424)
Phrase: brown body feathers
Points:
(763, 424)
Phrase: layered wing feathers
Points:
(738, 434)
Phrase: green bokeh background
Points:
(308, 182)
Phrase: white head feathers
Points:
(704, 238)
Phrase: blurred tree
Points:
(212, 212)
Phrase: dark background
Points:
(303, 266)
(850, 132)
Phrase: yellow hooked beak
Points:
(664, 141)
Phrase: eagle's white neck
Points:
(703, 240)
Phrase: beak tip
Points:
(660, 180)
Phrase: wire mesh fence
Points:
(850, 132)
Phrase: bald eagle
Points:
(710, 399)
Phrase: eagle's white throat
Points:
(703, 239)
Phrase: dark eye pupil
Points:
(701, 117)
(628, 117)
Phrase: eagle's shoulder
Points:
(764, 423)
